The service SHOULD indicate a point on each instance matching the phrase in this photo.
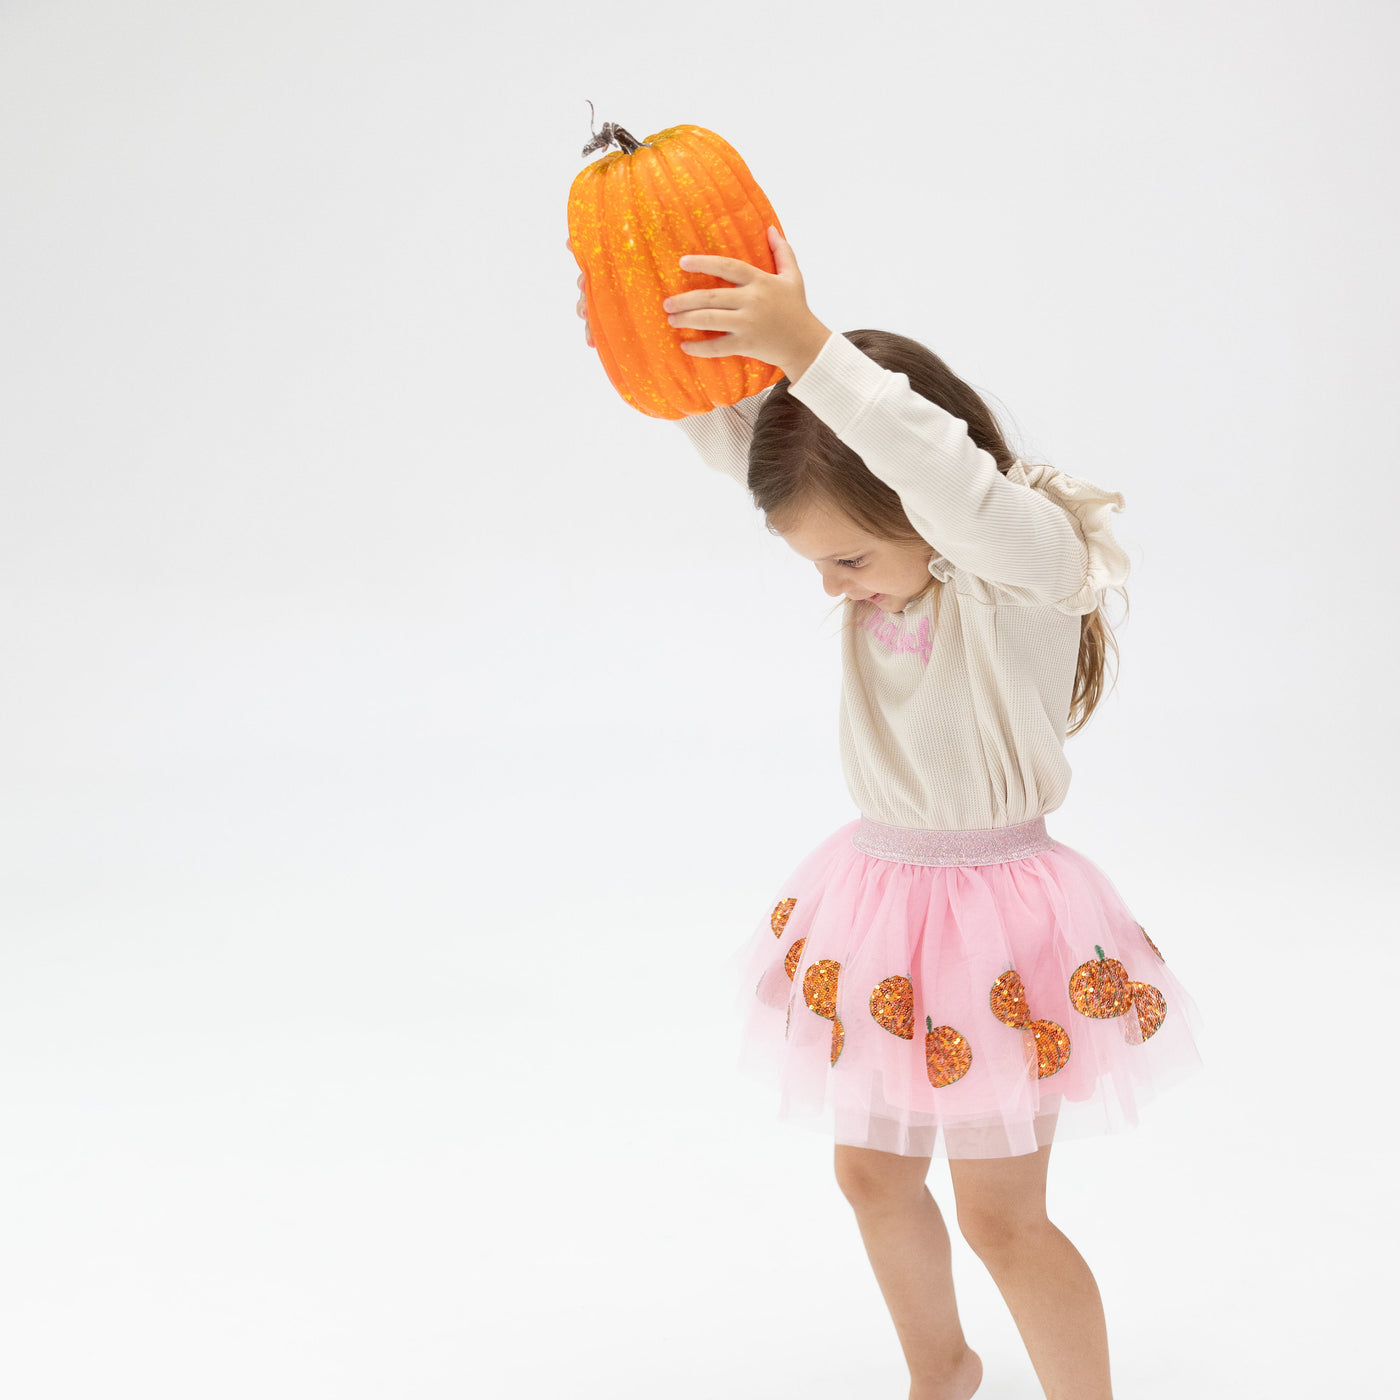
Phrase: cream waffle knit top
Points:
(961, 725)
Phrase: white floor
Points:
(281, 1121)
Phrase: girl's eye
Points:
(851, 563)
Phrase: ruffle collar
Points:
(941, 568)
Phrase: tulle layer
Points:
(959, 1010)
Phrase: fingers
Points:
(704, 348)
(702, 319)
(731, 269)
(582, 307)
(704, 299)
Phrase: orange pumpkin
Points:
(892, 1006)
(1048, 1045)
(1100, 988)
(794, 956)
(1008, 999)
(1103, 988)
(1052, 1047)
(819, 987)
(947, 1054)
(633, 214)
(1151, 1007)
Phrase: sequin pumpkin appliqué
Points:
(1097, 989)
(1101, 988)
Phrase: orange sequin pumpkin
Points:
(892, 1006)
(1100, 988)
(1103, 988)
(1151, 1007)
(819, 988)
(946, 1053)
(778, 919)
(1049, 1046)
(794, 956)
(633, 214)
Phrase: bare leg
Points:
(907, 1241)
(1044, 1279)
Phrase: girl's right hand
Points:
(582, 307)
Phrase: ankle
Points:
(955, 1381)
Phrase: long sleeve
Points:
(722, 435)
(954, 495)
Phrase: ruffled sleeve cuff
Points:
(1088, 507)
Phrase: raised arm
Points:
(950, 488)
(722, 435)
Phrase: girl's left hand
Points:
(765, 314)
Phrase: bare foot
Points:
(960, 1384)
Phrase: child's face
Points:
(858, 565)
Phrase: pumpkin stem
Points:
(1099, 951)
(610, 133)
(928, 1021)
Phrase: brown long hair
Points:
(796, 462)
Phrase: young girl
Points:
(941, 973)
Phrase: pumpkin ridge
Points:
(731, 189)
(731, 192)
(612, 239)
(584, 203)
(684, 233)
(722, 367)
(653, 209)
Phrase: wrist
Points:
(797, 363)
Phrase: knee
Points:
(872, 1184)
(991, 1232)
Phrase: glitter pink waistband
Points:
(917, 845)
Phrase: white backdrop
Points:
(397, 725)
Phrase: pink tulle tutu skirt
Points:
(958, 994)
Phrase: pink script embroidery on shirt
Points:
(894, 637)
